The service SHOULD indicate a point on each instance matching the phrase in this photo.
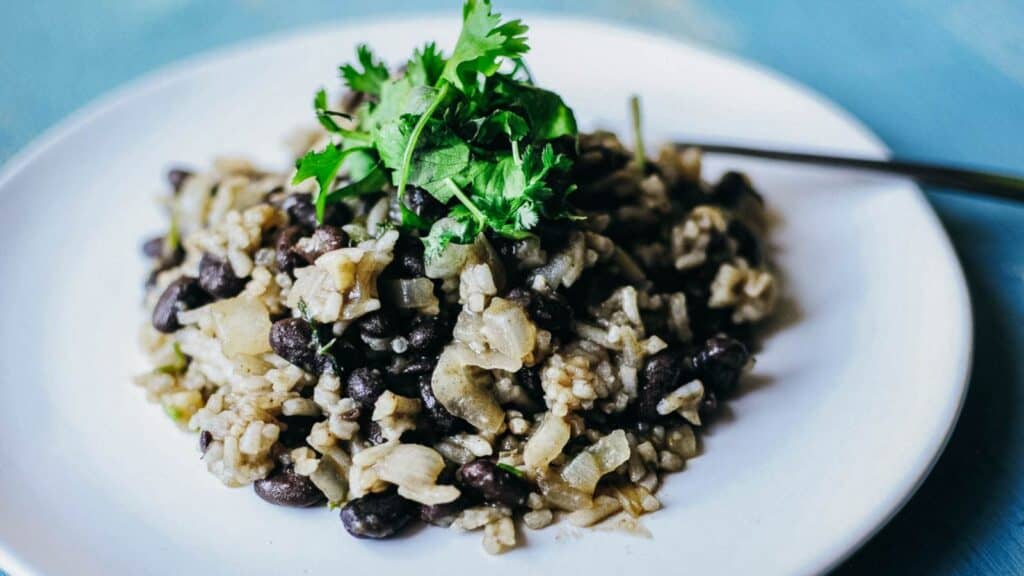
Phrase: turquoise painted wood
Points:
(938, 80)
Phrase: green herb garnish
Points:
(173, 239)
(511, 470)
(174, 413)
(177, 366)
(471, 129)
(639, 155)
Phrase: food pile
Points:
(457, 308)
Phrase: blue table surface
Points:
(938, 80)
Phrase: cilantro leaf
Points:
(482, 44)
(549, 117)
(459, 227)
(503, 122)
(425, 66)
(370, 78)
(443, 155)
(322, 113)
(322, 166)
(371, 183)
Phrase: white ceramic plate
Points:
(851, 402)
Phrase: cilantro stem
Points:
(410, 146)
(173, 239)
(515, 152)
(639, 155)
(458, 193)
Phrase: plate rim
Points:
(183, 67)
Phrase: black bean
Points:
(440, 418)
(337, 215)
(347, 356)
(376, 324)
(154, 248)
(493, 483)
(365, 385)
(408, 262)
(423, 204)
(660, 375)
(720, 362)
(529, 378)
(552, 313)
(302, 211)
(522, 297)
(324, 239)
(708, 404)
(292, 339)
(285, 256)
(374, 433)
(204, 441)
(281, 454)
(747, 244)
(176, 177)
(554, 235)
(407, 365)
(733, 187)
(444, 514)
(422, 435)
(295, 430)
(286, 488)
(182, 294)
(428, 333)
(598, 156)
(379, 515)
(218, 278)
(505, 247)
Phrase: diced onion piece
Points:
(508, 330)
(604, 456)
(463, 391)
(560, 495)
(414, 469)
(242, 325)
(415, 293)
(329, 477)
(604, 506)
(547, 442)
(565, 267)
(686, 396)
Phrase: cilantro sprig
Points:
(470, 129)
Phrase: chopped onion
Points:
(463, 390)
(330, 479)
(562, 496)
(413, 293)
(414, 469)
(242, 325)
(547, 442)
(604, 456)
(508, 330)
